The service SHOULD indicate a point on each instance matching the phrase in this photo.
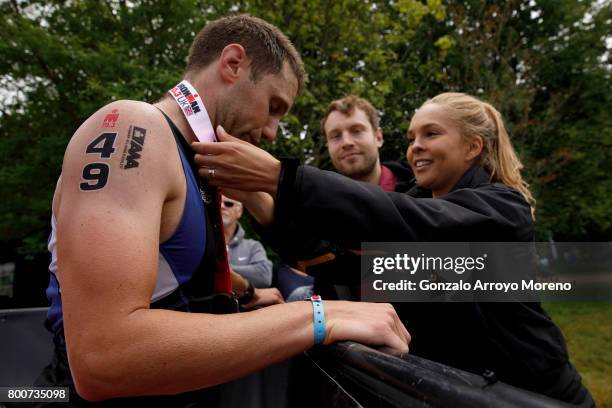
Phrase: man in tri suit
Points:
(132, 237)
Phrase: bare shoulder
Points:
(120, 151)
(118, 121)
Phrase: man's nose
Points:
(346, 140)
(270, 130)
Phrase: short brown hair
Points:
(266, 46)
(347, 106)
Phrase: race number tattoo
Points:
(104, 145)
(133, 147)
(95, 175)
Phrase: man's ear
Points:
(233, 63)
(378, 135)
(474, 148)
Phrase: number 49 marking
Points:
(96, 174)
(103, 145)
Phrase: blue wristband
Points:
(318, 315)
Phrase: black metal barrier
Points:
(343, 375)
(381, 378)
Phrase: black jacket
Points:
(517, 341)
(334, 207)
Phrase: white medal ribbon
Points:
(193, 108)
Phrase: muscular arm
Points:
(108, 240)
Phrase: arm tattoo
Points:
(133, 147)
(95, 175)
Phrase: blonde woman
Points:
(470, 189)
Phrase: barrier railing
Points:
(368, 377)
(382, 378)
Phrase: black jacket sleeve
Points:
(333, 207)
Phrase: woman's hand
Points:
(236, 164)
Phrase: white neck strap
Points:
(193, 108)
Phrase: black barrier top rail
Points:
(411, 381)
(398, 380)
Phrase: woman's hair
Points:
(478, 118)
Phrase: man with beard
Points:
(138, 264)
(354, 137)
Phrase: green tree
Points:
(71, 58)
(66, 60)
(540, 63)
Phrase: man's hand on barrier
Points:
(373, 324)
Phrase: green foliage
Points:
(68, 59)
(538, 62)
